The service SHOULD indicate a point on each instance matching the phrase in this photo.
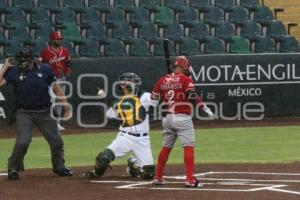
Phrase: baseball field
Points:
(232, 163)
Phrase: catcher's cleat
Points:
(158, 182)
(13, 175)
(89, 174)
(63, 172)
(193, 183)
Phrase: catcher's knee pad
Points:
(102, 161)
(147, 172)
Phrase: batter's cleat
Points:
(63, 172)
(158, 182)
(13, 175)
(89, 175)
(193, 183)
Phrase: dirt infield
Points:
(230, 181)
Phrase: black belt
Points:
(136, 134)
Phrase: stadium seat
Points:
(138, 47)
(148, 31)
(14, 15)
(89, 48)
(138, 16)
(2, 38)
(264, 45)
(113, 48)
(200, 4)
(214, 45)
(239, 45)
(199, 31)
(37, 45)
(11, 47)
(89, 14)
(149, 4)
(159, 48)
(164, 16)
(251, 31)
(289, 45)
(68, 44)
(114, 15)
(173, 32)
(77, 5)
(226, 5)
(121, 30)
(95, 30)
(124, 4)
(276, 30)
(99, 4)
(188, 15)
(18, 31)
(24, 4)
(71, 32)
(65, 15)
(42, 30)
(49, 4)
(176, 5)
(213, 15)
(249, 4)
(225, 31)
(263, 15)
(39, 15)
(238, 15)
(189, 46)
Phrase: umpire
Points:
(31, 83)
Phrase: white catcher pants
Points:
(139, 146)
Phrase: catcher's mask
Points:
(24, 57)
(130, 81)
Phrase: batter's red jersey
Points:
(172, 90)
(57, 59)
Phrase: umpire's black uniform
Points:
(31, 86)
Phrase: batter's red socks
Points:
(161, 162)
(189, 162)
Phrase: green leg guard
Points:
(147, 172)
(102, 161)
(132, 167)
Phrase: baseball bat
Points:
(167, 55)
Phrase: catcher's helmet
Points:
(56, 35)
(182, 61)
(131, 80)
(24, 55)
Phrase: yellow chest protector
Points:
(131, 111)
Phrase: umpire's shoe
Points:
(13, 175)
(63, 172)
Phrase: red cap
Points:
(56, 36)
(183, 62)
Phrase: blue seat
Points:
(225, 31)
(277, 30)
(289, 45)
(24, 4)
(37, 45)
(138, 15)
(251, 31)
(95, 30)
(74, 4)
(159, 48)
(148, 31)
(200, 4)
(263, 15)
(189, 46)
(250, 4)
(99, 4)
(70, 46)
(238, 15)
(264, 45)
(214, 45)
(89, 14)
(226, 5)
(114, 15)
(43, 30)
(199, 31)
(173, 32)
(176, 5)
(39, 15)
(124, 4)
(213, 15)
(149, 4)
(121, 30)
(11, 47)
(19, 31)
(14, 15)
(49, 4)
(188, 15)
(65, 15)
(113, 48)
(89, 48)
(138, 47)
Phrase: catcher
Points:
(131, 111)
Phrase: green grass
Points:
(226, 145)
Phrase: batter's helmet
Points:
(56, 36)
(182, 61)
(24, 54)
(131, 80)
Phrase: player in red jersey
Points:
(177, 91)
(58, 57)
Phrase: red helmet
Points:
(56, 36)
(183, 62)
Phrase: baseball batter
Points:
(31, 83)
(131, 111)
(177, 92)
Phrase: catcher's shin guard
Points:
(147, 172)
(103, 160)
(132, 167)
